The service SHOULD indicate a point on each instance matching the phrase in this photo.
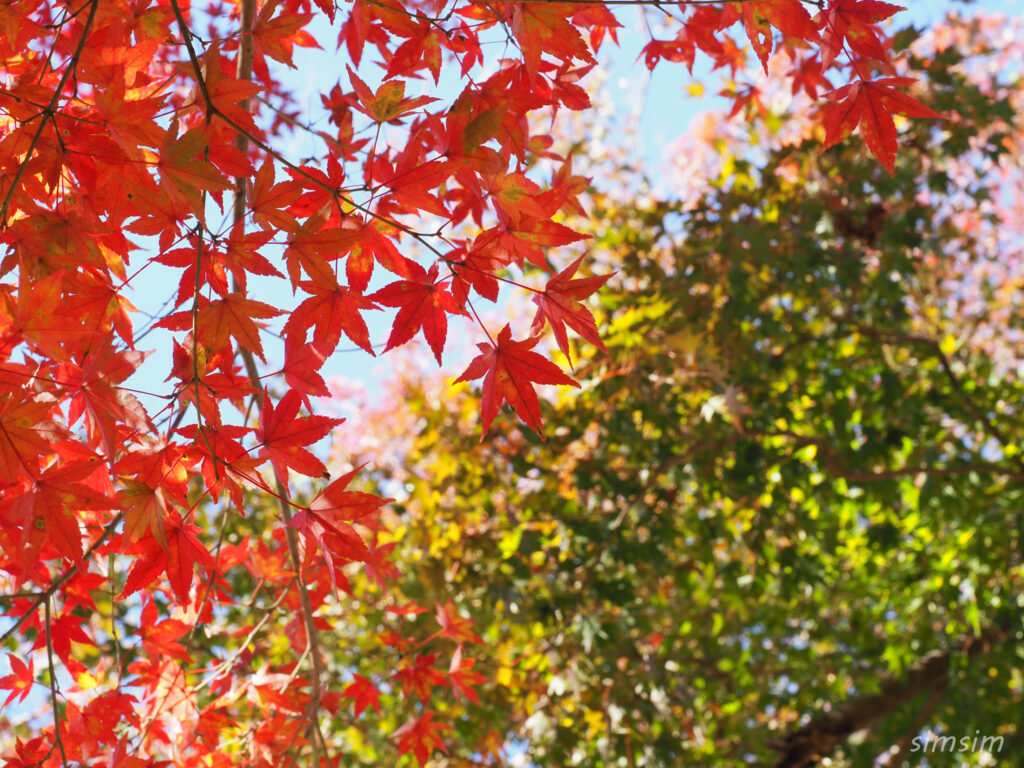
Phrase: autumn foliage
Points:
(157, 135)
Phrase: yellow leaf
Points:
(504, 677)
(948, 344)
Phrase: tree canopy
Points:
(780, 521)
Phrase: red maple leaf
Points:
(424, 303)
(222, 319)
(284, 436)
(419, 676)
(178, 559)
(454, 626)
(365, 694)
(98, 398)
(160, 638)
(65, 630)
(20, 681)
(331, 309)
(871, 104)
(463, 678)
(328, 521)
(144, 510)
(543, 28)
(302, 363)
(26, 432)
(853, 21)
(420, 735)
(510, 369)
(788, 16)
(267, 201)
(48, 505)
(101, 716)
(388, 103)
(561, 305)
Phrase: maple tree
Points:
(146, 553)
(780, 522)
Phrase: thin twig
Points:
(186, 36)
(58, 741)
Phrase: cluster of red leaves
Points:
(118, 120)
(842, 27)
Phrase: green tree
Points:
(782, 518)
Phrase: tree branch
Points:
(930, 673)
(57, 740)
(922, 717)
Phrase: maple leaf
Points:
(526, 239)
(284, 436)
(365, 694)
(415, 53)
(463, 678)
(178, 559)
(328, 521)
(543, 28)
(388, 103)
(330, 310)
(228, 93)
(145, 509)
(275, 36)
(101, 716)
(807, 75)
(160, 638)
(853, 21)
(871, 104)
(241, 257)
(26, 432)
(510, 368)
(97, 396)
(233, 316)
(561, 304)
(64, 630)
(48, 505)
(184, 174)
(788, 16)
(302, 362)
(309, 247)
(20, 681)
(420, 735)
(420, 676)
(454, 626)
(267, 201)
(222, 319)
(411, 180)
(408, 609)
(423, 304)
